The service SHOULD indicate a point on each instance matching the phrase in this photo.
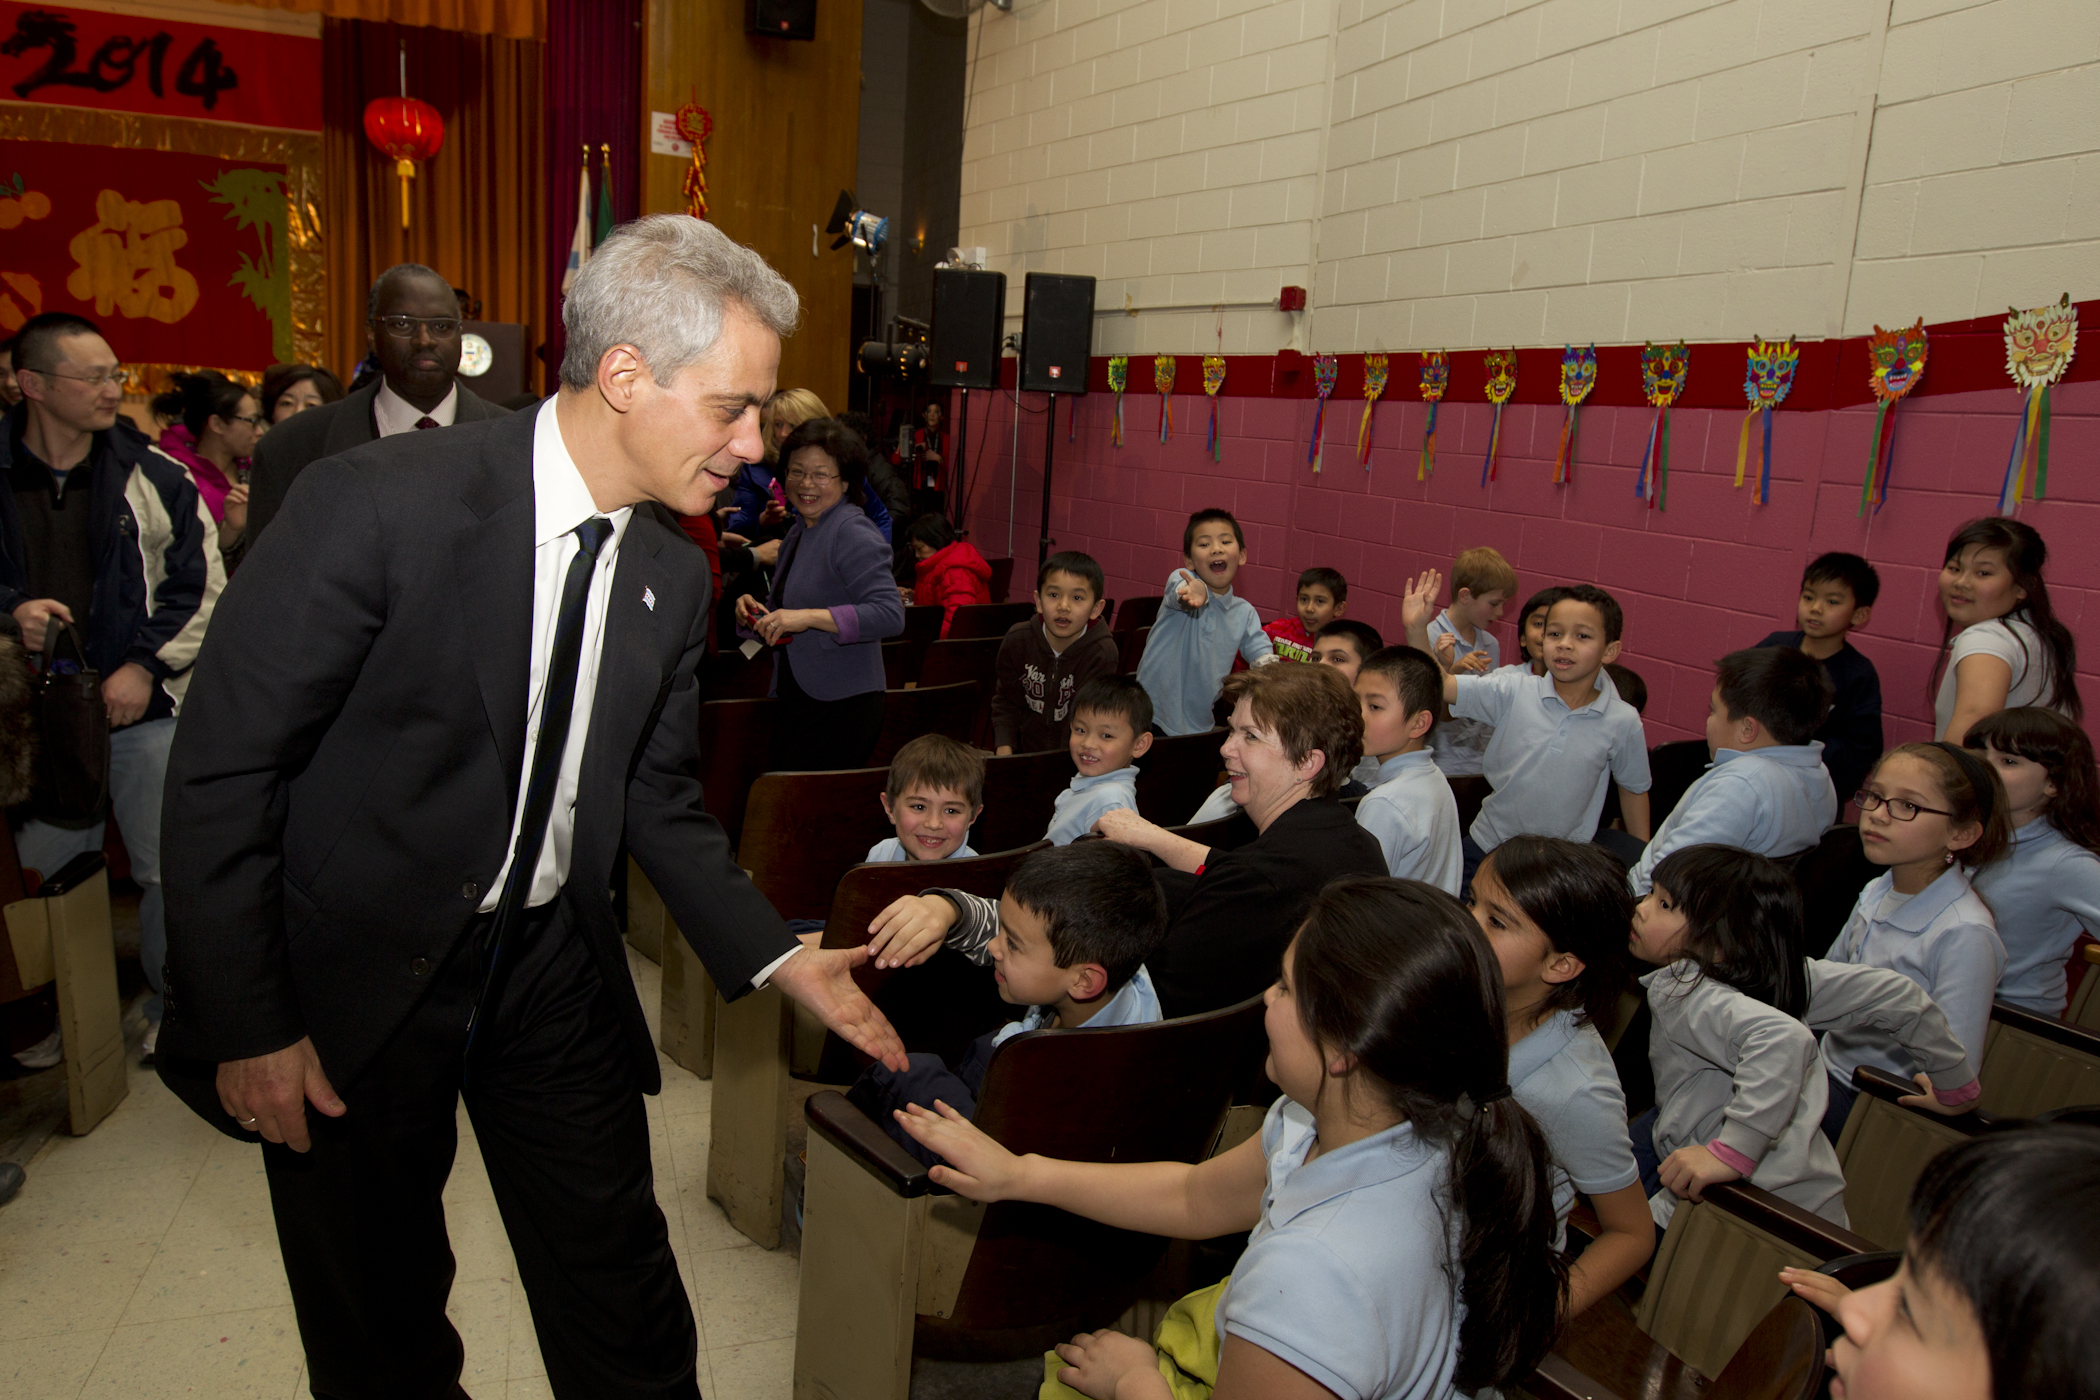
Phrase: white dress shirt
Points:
(395, 414)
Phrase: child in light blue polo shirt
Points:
(1111, 729)
(1201, 626)
(1409, 808)
(935, 794)
(1559, 738)
(1368, 1260)
(1767, 790)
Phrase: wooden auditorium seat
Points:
(1176, 774)
(728, 675)
(1830, 875)
(1470, 790)
(1132, 648)
(899, 664)
(803, 831)
(1885, 1146)
(1135, 613)
(927, 708)
(922, 628)
(966, 659)
(974, 620)
(1020, 796)
(2035, 1063)
(736, 741)
(2085, 1002)
(1672, 768)
(1001, 583)
(891, 1266)
(1603, 1356)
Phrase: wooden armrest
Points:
(2048, 1028)
(848, 1129)
(2092, 953)
(72, 875)
(1804, 1230)
(1555, 1379)
(1862, 1270)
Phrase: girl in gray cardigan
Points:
(1740, 1090)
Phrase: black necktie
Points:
(557, 705)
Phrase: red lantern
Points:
(408, 129)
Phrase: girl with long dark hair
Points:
(2001, 644)
(216, 427)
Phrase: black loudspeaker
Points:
(781, 19)
(969, 318)
(1057, 332)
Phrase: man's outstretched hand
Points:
(269, 1094)
(822, 980)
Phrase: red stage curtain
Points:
(594, 97)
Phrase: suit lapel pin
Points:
(649, 597)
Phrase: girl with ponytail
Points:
(1399, 1197)
(216, 427)
(2002, 644)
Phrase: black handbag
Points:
(72, 757)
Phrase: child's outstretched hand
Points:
(1192, 592)
(1418, 603)
(1820, 1290)
(1690, 1170)
(1474, 663)
(1928, 1099)
(1099, 1362)
(1447, 651)
(976, 1166)
(909, 931)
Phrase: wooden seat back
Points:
(2084, 1009)
(1883, 1149)
(966, 659)
(1176, 774)
(1020, 796)
(1001, 584)
(736, 741)
(2035, 1063)
(1132, 648)
(922, 628)
(1672, 768)
(987, 619)
(12, 887)
(729, 675)
(804, 831)
(1830, 875)
(1715, 1274)
(899, 664)
(1135, 613)
(925, 709)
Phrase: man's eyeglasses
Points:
(1902, 809)
(94, 380)
(402, 327)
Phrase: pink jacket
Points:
(952, 577)
(212, 484)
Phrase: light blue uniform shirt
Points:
(1188, 654)
(1415, 818)
(885, 852)
(1944, 939)
(1461, 744)
(1775, 801)
(1136, 1004)
(1086, 799)
(1564, 1077)
(1547, 763)
(2042, 893)
(1351, 1275)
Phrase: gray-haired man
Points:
(458, 669)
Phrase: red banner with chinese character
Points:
(181, 259)
(134, 63)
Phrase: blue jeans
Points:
(138, 770)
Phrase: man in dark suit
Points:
(459, 669)
(413, 318)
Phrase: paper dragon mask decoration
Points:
(1324, 369)
(2038, 349)
(1664, 368)
(1501, 383)
(1376, 369)
(1163, 380)
(1896, 363)
(1768, 377)
(1578, 375)
(1213, 381)
(1118, 380)
(1436, 377)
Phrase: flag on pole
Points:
(580, 245)
(605, 200)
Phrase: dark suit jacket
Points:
(1228, 927)
(341, 790)
(298, 442)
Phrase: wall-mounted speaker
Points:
(781, 19)
(1057, 332)
(969, 318)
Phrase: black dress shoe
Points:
(11, 1179)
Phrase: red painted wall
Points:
(1711, 573)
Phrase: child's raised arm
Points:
(1417, 611)
(1882, 999)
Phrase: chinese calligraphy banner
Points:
(132, 63)
(181, 259)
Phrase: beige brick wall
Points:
(1476, 172)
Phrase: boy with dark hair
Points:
(935, 795)
(1111, 729)
(1837, 595)
(1559, 738)
(1075, 927)
(1201, 626)
(1045, 660)
(1767, 790)
(1346, 644)
(1481, 584)
(1409, 808)
(1323, 596)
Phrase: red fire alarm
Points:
(1291, 299)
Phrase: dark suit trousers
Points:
(560, 1124)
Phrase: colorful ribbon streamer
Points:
(1213, 381)
(1436, 377)
(1118, 378)
(1163, 380)
(1664, 368)
(1898, 360)
(2039, 345)
(1324, 370)
(1376, 370)
(1501, 383)
(1578, 375)
(1768, 377)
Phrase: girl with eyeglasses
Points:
(217, 424)
(1931, 813)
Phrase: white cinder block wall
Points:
(1486, 172)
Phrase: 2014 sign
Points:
(88, 58)
(203, 75)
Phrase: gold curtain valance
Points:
(505, 19)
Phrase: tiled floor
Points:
(140, 1261)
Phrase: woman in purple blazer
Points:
(833, 601)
